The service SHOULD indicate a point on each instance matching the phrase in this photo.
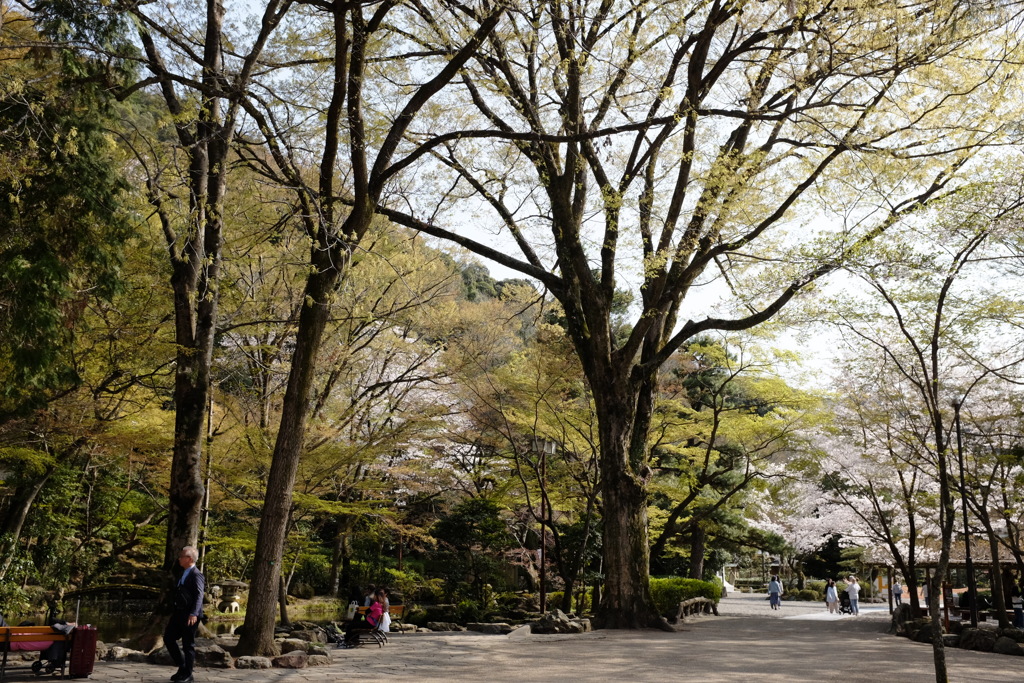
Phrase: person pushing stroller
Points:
(844, 603)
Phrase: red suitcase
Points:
(83, 652)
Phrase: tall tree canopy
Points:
(654, 145)
(63, 223)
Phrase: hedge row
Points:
(669, 592)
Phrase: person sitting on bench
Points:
(367, 621)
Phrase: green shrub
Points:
(403, 582)
(817, 585)
(314, 573)
(583, 604)
(415, 615)
(669, 592)
(302, 590)
(14, 601)
(507, 600)
(555, 600)
(469, 611)
(808, 595)
(430, 591)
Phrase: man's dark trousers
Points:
(178, 629)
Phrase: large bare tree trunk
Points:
(626, 601)
(194, 249)
(697, 545)
(10, 531)
(195, 255)
(998, 594)
(258, 636)
(332, 242)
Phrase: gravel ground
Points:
(748, 642)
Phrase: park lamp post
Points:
(972, 588)
(543, 447)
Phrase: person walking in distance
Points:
(184, 621)
(853, 590)
(775, 592)
(897, 592)
(831, 597)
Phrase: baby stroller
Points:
(844, 603)
(53, 658)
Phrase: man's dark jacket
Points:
(189, 597)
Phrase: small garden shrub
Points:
(302, 590)
(469, 611)
(669, 592)
(416, 615)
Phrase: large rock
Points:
(293, 644)
(901, 618)
(226, 641)
(444, 626)
(124, 654)
(318, 660)
(951, 640)
(147, 641)
(556, 621)
(923, 634)
(980, 639)
(213, 656)
(495, 629)
(520, 632)
(1007, 646)
(249, 662)
(440, 613)
(292, 660)
(310, 635)
(318, 651)
(1014, 634)
(912, 628)
(160, 656)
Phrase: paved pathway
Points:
(749, 642)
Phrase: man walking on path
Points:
(184, 621)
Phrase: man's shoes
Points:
(182, 676)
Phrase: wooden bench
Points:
(29, 639)
(695, 606)
(397, 613)
(373, 634)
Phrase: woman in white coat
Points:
(831, 597)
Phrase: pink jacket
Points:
(374, 613)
